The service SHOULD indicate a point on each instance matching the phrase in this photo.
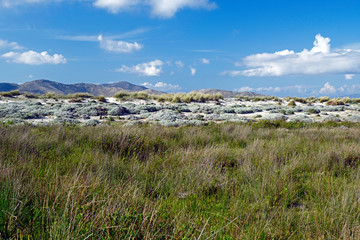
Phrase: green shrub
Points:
(12, 93)
(292, 103)
(101, 98)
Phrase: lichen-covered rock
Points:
(97, 110)
(91, 123)
(66, 121)
(331, 118)
(165, 115)
(300, 118)
(274, 117)
(244, 110)
(118, 111)
(354, 118)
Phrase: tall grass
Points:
(226, 181)
(174, 98)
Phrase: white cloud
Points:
(9, 45)
(192, 71)
(115, 6)
(95, 38)
(179, 64)
(12, 3)
(349, 76)
(327, 89)
(350, 89)
(319, 60)
(162, 86)
(118, 46)
(34, 58)
(234, 73)
(168, 8)
(245, 89)
(160, 8)
(259, 89)
(205, 61)
(152, 69)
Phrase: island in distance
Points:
(108, 89)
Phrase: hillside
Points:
(4, 87)
(44, 86)
(108, 89)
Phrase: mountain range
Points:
(109, 89)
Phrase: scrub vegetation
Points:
(260, 180)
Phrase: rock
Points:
(91, 123)
(118, 111)
(331, 118)
(354, 118)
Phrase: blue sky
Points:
(283, 48)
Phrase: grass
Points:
(225, 181)
(173, 98)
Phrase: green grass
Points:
(225, 181)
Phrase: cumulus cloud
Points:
(350, 89)
(192, 71)
(118, 46)
(160, 8)
(179, 64)
(115, 6)
(319, 60)
(327, 89)
(162, 86)
(151, 69)
(34, 58)
(9, 45)
(349, 76)
(259, 89)
(205, 61)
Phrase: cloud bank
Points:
(205, 61)
(12, 3)
(9, 45)
(118, 46)
(162, 86)
(319, 60)
(159, 8)
(150, 69)
(34, 58)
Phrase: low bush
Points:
(10, 93)
(334, 102)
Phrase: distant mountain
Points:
(44, 86)
(5, 87)
(227, 94)
(108, 89)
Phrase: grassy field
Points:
(225, 181)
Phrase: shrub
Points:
(79, 95)
(10, 94)
(323, 99)
(313, 111)
(52, 95)
(334, 102)
(292, 103)
(29, 95)
(139, 95)
(122, 95)
(101, 98)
